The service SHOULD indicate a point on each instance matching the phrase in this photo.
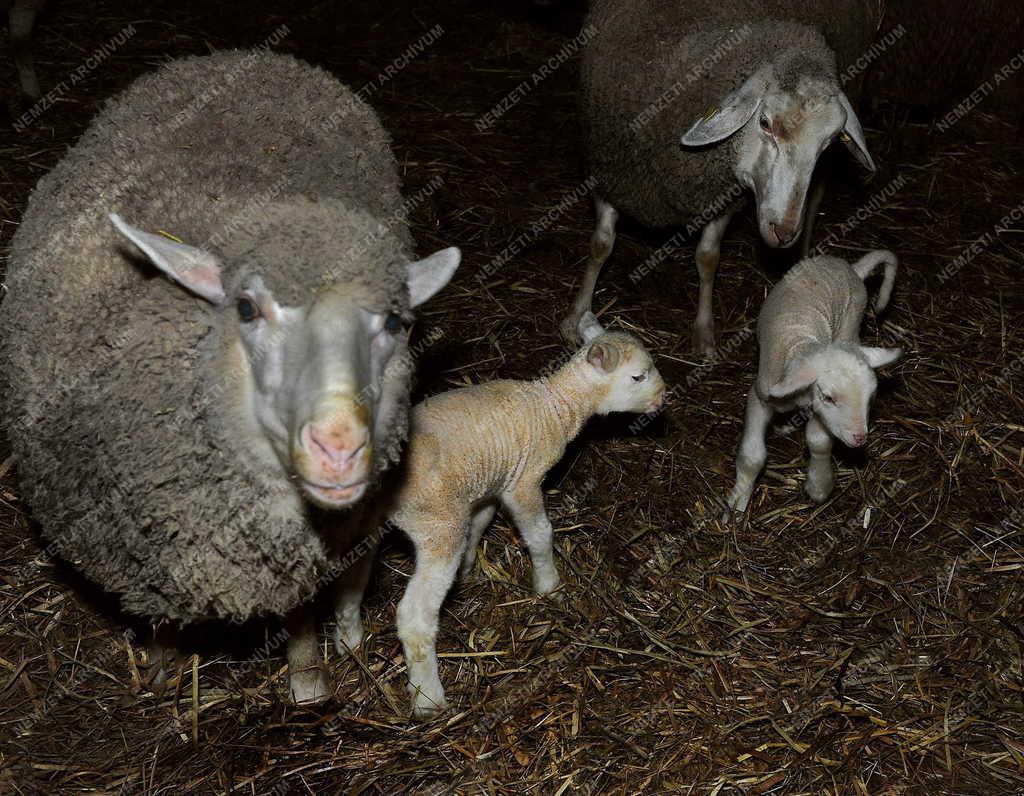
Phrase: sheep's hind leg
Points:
(526, 506)
(307, 680)
(752, 454)
(477, 525)
(820, 477)
(601, 244)
(348, 626)
(437, 560)
(709, 252)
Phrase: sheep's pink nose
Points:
(334, 446)
(783, 233)
(859, 439)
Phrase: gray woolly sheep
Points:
(764, 75)
(245, 408)
(811, 359)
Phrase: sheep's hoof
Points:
(546, 584)
(570, 329)
(347, 638)
(428, 704)
(819, 493)
(309, 686)
(704, 340)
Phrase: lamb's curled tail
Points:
(866, 265)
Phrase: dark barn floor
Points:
(871, 645)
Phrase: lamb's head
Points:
(837, 382)
(319, 369)
(620, 370)
(781, 120)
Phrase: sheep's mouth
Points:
(335, 495)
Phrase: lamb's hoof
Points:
(819, 493)
(546, 585)
(309, 686)
(428, 702)
(347, 638)
(704, 341)
(570, 329)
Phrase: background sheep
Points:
(811, 358)
(766, 74)
(275, 380)
(21, 17)
(475, 447)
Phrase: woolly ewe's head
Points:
(622, 368)
(316, 374)
(838, 382)
(780, 131)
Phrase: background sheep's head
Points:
(323, 381)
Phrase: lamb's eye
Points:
(766, 123)
(393, 323)
(640, 377)
(247, 310)
(829, 399)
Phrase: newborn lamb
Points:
(474, 447)
(812, 360)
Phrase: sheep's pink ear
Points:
(194, 269)
(880, 357)
(603, 356)
(799, 376)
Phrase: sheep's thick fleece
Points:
(649, 55)
(111, 404)
(820, 300)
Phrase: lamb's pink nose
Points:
(333, 446)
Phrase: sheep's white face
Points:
(780, 134)
(630, 380)
(838, 383)
(325, 380)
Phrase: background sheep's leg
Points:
(307, 679)
(708, 254)
(814, 197)
(21, 19)
(163, 657)
(439, 548)
(477, 525)
(351, 585)
(526, 507)
(752, 453)
(601, 244)
(820, 478)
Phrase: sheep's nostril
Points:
(335, 448)
(782, 234)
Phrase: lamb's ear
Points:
(603, 356)
(734, 112)
(800, 375)
(880, 357)
(429, 275)
(853, 135)
(194, 269)
(589, 327)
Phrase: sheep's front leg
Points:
(477, 525)
(601, 244)
(306, 676)
(709, 252)
(752, 453)
(436, 563)
(820, 478)
(526, 507)
(348, 627)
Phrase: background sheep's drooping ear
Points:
(194, 269)
(734, 112)
(603, 356)
(853, 135)
(429, 275)
(800, 375)
(880, 357)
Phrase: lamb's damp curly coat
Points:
(111, 400)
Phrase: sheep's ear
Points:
(734, 112)
(799, 376)
(194, 269)
(853, 135)
(427, 276)
(603, 356)
(880, 357)
(589, 327)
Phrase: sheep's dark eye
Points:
(393, 323)
(829, 399)
(766, 124)
(247, 310)
(640, 377)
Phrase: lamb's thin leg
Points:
(752, 453)
(351, 585)
(708, 253)
(21, 19)
(526, 507)
(420, 608)
(477, 525)
(163, 657)
(307, 679)
(820, 478)
(601, 244)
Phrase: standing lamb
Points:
(187, 442)
(475, 447)
(765, 70)
(811, 359)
